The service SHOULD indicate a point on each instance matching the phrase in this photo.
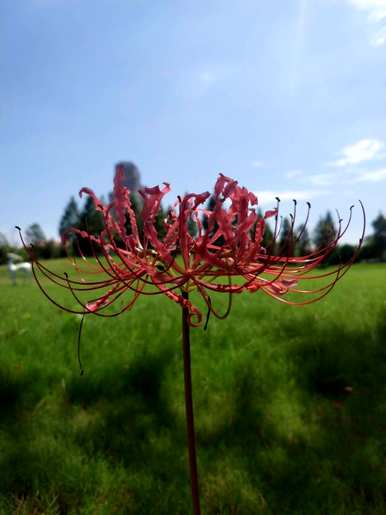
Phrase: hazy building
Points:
(131, 175)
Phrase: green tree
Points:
(51, 249)
(368, 251)
(3, 240)
(4, 248)
(325, 231)
(70, 217)
(267, 236)
(303, 241)
(346, 252)
(379, 237)
(35, 235)
(91, 221)
(286, 239)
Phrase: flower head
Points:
(223, 253)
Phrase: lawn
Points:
(290, 406)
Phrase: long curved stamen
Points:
(208, 313)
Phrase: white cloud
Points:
(268, 197)
(291, 174)
(322, 179)
(373, 176)
(257, 164)
(376, 14)
(376, 9)
(361, 151)
(379, 39)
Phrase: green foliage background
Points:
(290, 406)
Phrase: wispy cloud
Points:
(376, 9)
(379, 38)
(362, 151)
(292, 174)
(373, 176)
(257, 164)
(376, 14)
(317, 179)
(268, 197)
(322, 179)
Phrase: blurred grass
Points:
(290, 406)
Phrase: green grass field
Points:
(279, 430)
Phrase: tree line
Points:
(289, 240)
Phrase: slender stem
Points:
(189, 408)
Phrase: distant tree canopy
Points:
(285, 245)
(325, 231)
(378, 240)
(35, 235)
(303, 241)
(42, 248)
(289, 241)
(4, 248)
(70, 217)
(3, 240)
(267, 240)
(90, 220)
(346, 252)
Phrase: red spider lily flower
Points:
(133, 262)
(224, 255)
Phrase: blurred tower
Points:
(132, 177)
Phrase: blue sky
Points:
(287, 97)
